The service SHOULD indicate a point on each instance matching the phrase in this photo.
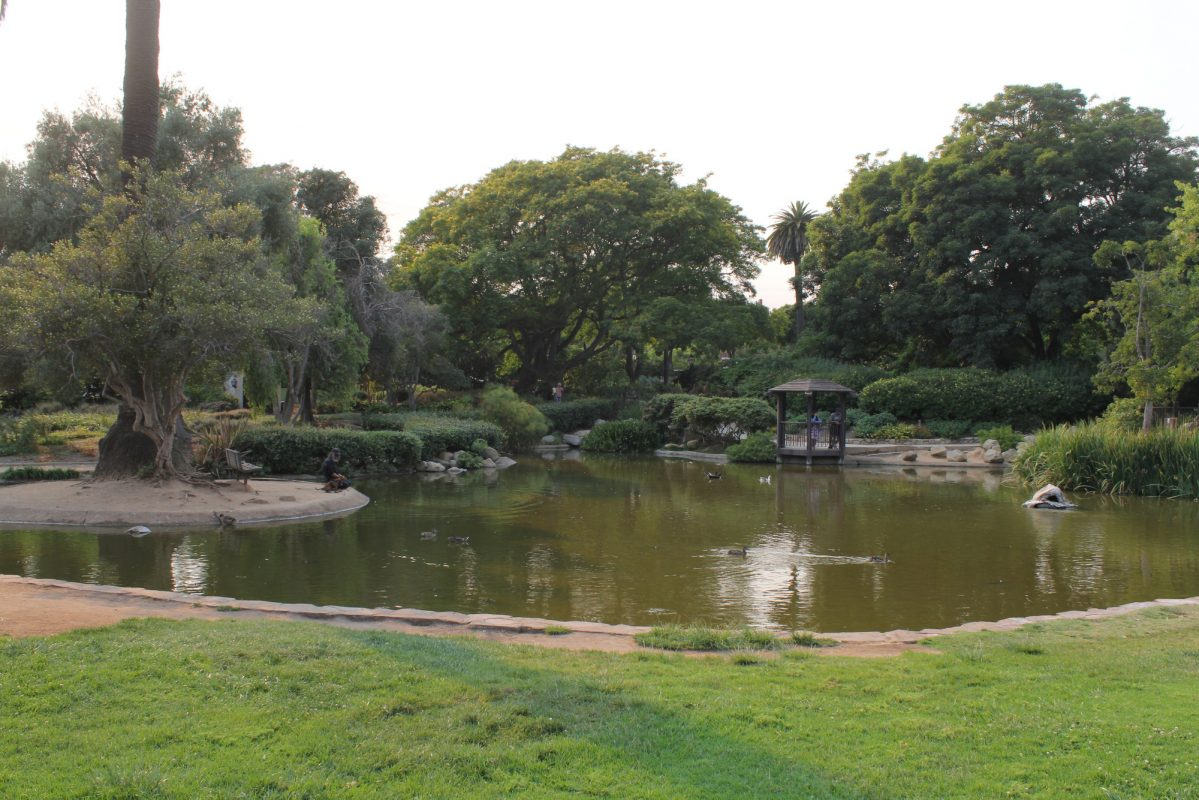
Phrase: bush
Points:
(895, 430)
(949, 428)
(17, 436)
(659, 410)
(1022, 398)
(438, 433)
(757, 447)
(521, 423)
(1003, 434)
(1091, 457)
(573, 415)
(721, 420)
(753, 372)
(468, 460)
(867, 425)
(479, 447)
(38, 474)
(623, 436)
(1123, 414)
(301, 450)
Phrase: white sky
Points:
(773, 99)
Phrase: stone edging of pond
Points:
(503, 623)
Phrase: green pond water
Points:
(645, 541)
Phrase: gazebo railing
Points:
(796, 436)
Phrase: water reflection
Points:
(644, 541)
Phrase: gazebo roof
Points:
(811, 385)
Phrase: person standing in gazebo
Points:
(834, 429)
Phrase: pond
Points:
(645, 541)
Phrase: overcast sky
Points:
(772, 99)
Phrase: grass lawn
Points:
(231, 709)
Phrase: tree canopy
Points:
(983, 253)
(544, 262)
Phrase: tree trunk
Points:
(1147, 418)
(139, 112)
(800, 322)
(128, 453)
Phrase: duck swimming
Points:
(738, 551)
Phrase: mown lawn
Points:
(233, 709)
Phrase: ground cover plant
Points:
(159, 709)
(622, 436)
(38, 474)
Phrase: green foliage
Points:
(1003, 434)
(22, 435)
(468, 460)
(545, 260)
(720, 420)
(752, 373)
(38, 474)
(1020, 397)
(686, 637)
(894, 430)
(438, 433)
(17, 436)
(521, 423)
(573, 415)
(757, 447)
(948, 428)
(300, 450)
(479, 447)
(622, 436)
(867, 426)
(1123, 414)
(983, 253)
(1092, 457)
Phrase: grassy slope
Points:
(239, 709)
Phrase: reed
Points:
(1093, 458)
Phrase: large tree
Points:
(983, 254)
(788, 242)
(163, 284)
(543, 263)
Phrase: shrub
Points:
(721, 420)
(753, 372)
(521, 423)
(17, 436)
(1003, 434)
(572, 415)
(895, 430)
(659, 409)
(479, 447)
(948, 428)
(622, 436)
(438, 433)
(1123, 414)
(757, 447)
(867, 425)
(212, 438)
(38, 474)
(301, 450)
(1091, 457)
(468, 460)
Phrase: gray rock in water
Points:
(910, 455)
(1008, 455)
(138, 530)
(455, 470)
(938, 451)
(430, 466)
(503, 462)
(489, 463)
(956, 456)
(990, 444)
(550, 439)
(572, 439)
(491, 452)
(993, 456)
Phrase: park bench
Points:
(241, 468)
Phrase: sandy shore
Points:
(121, 504)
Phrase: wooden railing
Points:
(805, 436)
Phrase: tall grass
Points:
(1093, 458)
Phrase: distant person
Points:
(814, 428)
(334, 480)
(559, 392)
(834, 429)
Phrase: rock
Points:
(938, 451)
(991, 444)
(1008, 455)
(976, 454)
(598, 422)
(1049, 496)
(430, 466)
(489, 463)
(503, 462)
(446, 457)
(672, 446)
(956, 456)
(550, 439)
(993, 456)
(1030, 438)
(572, 439)
(910, 455)
(138, 530)
(491, 452)
(455, 470)
(692, 444)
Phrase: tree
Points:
(1154, 315)
(544, 262)
(983, 254)
(139, 112)
(354, 225)
(163, 283)
(788, 242)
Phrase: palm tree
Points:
(788, 242)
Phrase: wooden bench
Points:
(241, 468)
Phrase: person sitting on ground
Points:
(334, 480)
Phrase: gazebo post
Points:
(808, 424)
(842, 427)
(781, 428)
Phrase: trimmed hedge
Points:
(38, 474)
(573, 415)
(622, 436)
(298, 451)
(1023, 398)
(718, 420)
(437, 433)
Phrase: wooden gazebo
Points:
(803, 442)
